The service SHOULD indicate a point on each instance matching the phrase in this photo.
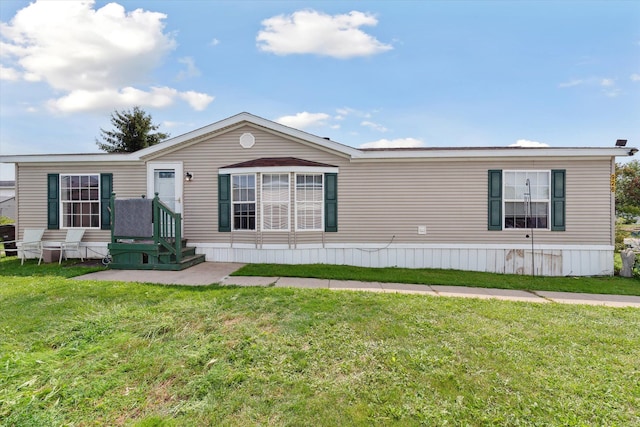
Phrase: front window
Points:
(309, 202)
(526, 199)
(244, 202)
(80, 201)
(275, 201)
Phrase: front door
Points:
(166, 180)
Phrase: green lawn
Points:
(593, 285)
(111, 353)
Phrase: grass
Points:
(593, 285)
(111, 353)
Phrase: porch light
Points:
(188, 176)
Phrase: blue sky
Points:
(364, 73)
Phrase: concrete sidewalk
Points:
(219, 272)
(437, 290)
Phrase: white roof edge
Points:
(250, 118)
(68, 158)
(495, 152)
(355, 154)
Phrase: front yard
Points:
(110, 353)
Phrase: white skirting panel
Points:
(549, 260)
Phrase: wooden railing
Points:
(167, 228)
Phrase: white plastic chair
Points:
(71, 243)
(31, 243)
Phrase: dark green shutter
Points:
(53, 201)
(495, 200)
(331, 202)
(106, 188)
(558, 199)
(224, 203)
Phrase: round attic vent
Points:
(247, 140)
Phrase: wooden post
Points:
(112, 208)
(178, 237)
(156, 219)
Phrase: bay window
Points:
(309, 202)
(244, 202)
(275, 202)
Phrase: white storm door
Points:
(166, 180)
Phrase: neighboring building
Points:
(7, 199)
(251, 190)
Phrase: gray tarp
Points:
(133, 218)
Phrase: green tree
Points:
(132, 132)
(628, 189)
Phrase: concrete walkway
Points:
(217, 272)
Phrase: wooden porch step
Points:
(184, 264)
(146, 255)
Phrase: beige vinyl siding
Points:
(128, 181)
(386, 201)
(380, 200)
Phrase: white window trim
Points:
(262, 216)
(255, 202)
(62, 202)
(505, 200)
(295, 201)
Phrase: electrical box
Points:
(422, 229)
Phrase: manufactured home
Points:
(246, 189)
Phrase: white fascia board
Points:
(69, 158)
(493, 153)
(250, 118)
(278, 169)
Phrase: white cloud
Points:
(304, 120)
(607, 85)
(109, 99)
(214, 42)
(528, 143)
(91, 54)
(394, 143)
(312, 32)
(374, 126)
(171, 124)
(72, 46)
(92, 100)
(347, 111)
(9, 74)
(607, 82)
(191, 71)
(197, 101)
(574, 82)
(635, 77)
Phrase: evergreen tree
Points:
(132, 132)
